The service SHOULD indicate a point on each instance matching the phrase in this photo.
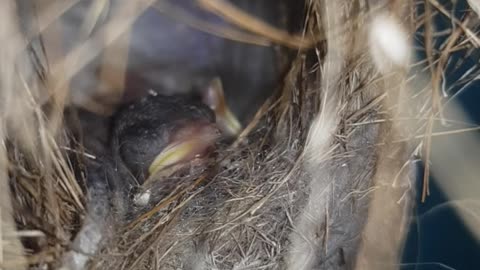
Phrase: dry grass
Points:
(319, 177)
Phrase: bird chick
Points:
(158, 132)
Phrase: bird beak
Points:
(215, 99)
(228, 123)
(189, 143)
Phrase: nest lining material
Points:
(277, 199)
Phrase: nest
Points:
(320, 178)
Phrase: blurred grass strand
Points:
(238, 17)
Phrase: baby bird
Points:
(158, 132)
(162, 131)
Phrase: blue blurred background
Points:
(438, 238)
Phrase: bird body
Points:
(144, 129)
